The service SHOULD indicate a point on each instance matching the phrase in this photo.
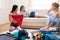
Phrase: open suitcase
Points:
(7, 37)
(44, 35)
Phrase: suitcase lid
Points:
(7, 37)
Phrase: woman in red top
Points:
(14, 25)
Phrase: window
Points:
(42, 4)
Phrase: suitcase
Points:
(49, 36)
(7, 37)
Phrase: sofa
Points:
(34, 23)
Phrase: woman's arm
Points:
(51, 24)
(47, 27)
(10, 18)
(56, 14)
(49, 11)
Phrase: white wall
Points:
(59, 3)
(21, 2)
(43, 11)
(4, 12)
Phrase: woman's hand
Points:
(49, 11)
(15, 21)
(25, 15)
(45, 28)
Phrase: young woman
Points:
(13, 24)
(23, 11)
(31, 14)
(53, 19)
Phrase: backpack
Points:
(21, 35)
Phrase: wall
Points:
(59, 2)
(21, 2)
(4, 12)
(43, 11)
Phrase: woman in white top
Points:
(31, 14)
(23, 11)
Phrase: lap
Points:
(52, 28)
(49, 29)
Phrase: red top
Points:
(18, 18)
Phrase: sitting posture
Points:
(13, 23)
(23, 11)
(30, 14)
(53, 19)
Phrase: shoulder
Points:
(10, 14)
(57, 13)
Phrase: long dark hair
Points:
(14, 8)
(21, 8)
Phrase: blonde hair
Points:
(56, 5)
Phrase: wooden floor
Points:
(4, 27)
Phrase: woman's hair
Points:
(14, 8)
(21, 8)
(56, 5)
